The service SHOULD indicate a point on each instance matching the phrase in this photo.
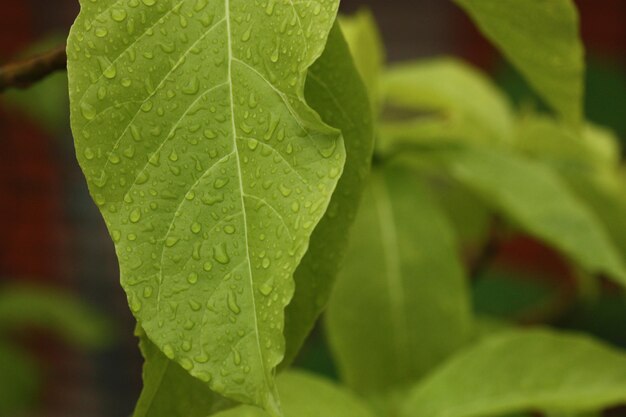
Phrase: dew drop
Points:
(267, 287)
(89, 154)
(220, 254)
(135, 215)
(196, 227)
(88, 111)
(119, 15)
(110, 72)
(192, 278)
(101, 32)
(231, 300)
(168, 350)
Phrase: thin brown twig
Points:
(21, 74)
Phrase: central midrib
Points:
(241, 193)
(391, 251)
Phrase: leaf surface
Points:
(532, 195)
(367, 49)
(334, 89)
(400, 305)
(541, 39)
(169, 390)
(307, 395)
(451, 100)
(518, 371)
(209, 167)
(589, 148)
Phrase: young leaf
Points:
(465, 102)
(334, 89)
(400, 305)
(367, 49)
(209, 167)
(307, 395)
(541, 38)
(169, 390)
(518, 371)
(532, 195)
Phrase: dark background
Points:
(52, 233)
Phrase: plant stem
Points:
(23, 73)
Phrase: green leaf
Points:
(589, 161)
(518, 371)
(455, 102)
(607, 198)
(209, 167)
(468, 214)
(400, 305)
(19, 381)
(169, 390)
(532, 195)
(591, 147)
(306, 395)
(63, 315)
(367, 49)
(334, 89)
(541, 39)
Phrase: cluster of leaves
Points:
(227, 144)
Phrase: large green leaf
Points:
(169, 390)
(400, 305)
(334, 89)
(366, 46)
(52, 310)
(517, 371)
(466, 105)
(339, 96)
(306, 395)
(534, 196)
(210, 169)
(541, 38)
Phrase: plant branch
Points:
(21, 74)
